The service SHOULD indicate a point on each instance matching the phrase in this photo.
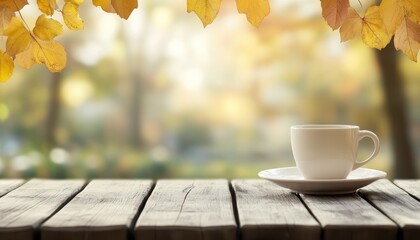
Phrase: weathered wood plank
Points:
(397, 205)
(104, 210)
(348, 217)
(7, 185)
(410, 186)
(267, 211)
(22, 210)
(188, 209)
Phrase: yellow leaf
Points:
(412, 9)
(18, 37)
(124, 7)
(6, 16)
(392, 14)
(47, 28)
(255, 10)
(374, 33)
(47, 6)
(106, 5)
(407, 38)
(6, 66)
(206, 10)
(50, 53)
(351, 27)
(71, 15)
(335, 12)
(26, 59)
(14, 5)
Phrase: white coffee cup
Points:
(329, 151)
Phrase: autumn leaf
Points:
(255, 10)
(374, 33)
(6, 66)
(335, 12)
(206, 10)
(124, 7)
(106, 5)
(18, 37)
(50, 53)
(392, 14)
(407, 38)
(71, 15)
(26, 59)
(47, 28)
(412, 9)
(14, 5)
(47, 6)
(6, 16)
(352, 26)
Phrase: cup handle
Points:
(375, 139)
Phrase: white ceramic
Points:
(329, 151)
(292, 179)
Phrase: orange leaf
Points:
(255, 10)
(14, 5)
(47, 6)
(26, 59)
(50, 53)
(106, 5)
(18, 37)
(71, 15)
(6, 66)
(335, 12)
(124, 7)
(352, 26)
(412, 9)
(47, 28)
(374, 33)
(6, 16)
(392, 14)
(407, 38)
(206, 10)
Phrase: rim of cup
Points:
(323, 126)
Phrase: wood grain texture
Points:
(104, 210)
(188, 209)
(348, 217)
(397, 204)
(410, 186)
(23, 210)
(7, 185)
(267, 211)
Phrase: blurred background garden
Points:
(159, 96)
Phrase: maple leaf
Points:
(255, 10)
(335, 12)
(351, 27)
(18, 37)
(206, 10)
(392, 14)
(71, 15)
(6, 15)
(106, 5)
(124, 7)
(51, 53)
(374, 33)
(47, 28)
(407, 38)
(47, 6)
(6, 66)
(14, 5)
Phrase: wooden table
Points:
(203, 209)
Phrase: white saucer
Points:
(291, 178)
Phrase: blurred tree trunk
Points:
(396, 106)
(54, 107)
(135, 110)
